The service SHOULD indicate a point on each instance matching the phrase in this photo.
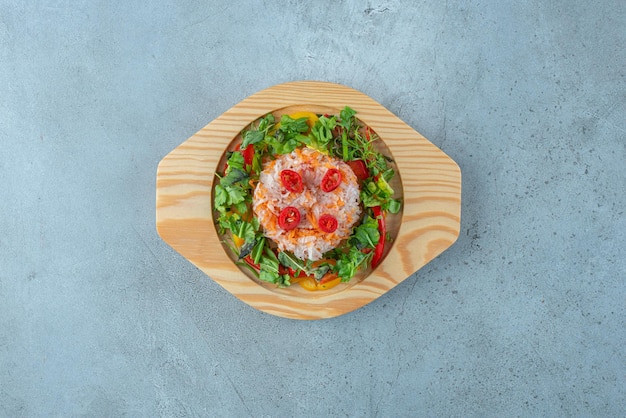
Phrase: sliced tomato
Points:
(360, 169)
(289, 218)
(291, 181)
(331, 180)
(327, 223)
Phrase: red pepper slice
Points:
(328, 277)
(291, 181)
(293, 274)
(289, 218)
(248, 154)
(382, 229)
(360, 169)
(251, 263)
(331, 180)
(327, 223)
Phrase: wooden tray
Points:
(429, 180)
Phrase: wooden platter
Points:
(429, 184)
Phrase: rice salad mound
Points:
(307, 241)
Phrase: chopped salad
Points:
(331, 155)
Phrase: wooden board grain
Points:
(429, 182)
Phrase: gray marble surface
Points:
(523, 316)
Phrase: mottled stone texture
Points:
(523, 316)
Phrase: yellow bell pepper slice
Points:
(328, 282)
(238, 241)
(309, 283)
(310, 115)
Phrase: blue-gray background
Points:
(524, 315)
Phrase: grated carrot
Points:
(306, 241)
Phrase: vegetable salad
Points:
(341, 137)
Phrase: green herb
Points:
(366, 234)
(394, 206)
(350, 262)
(347, 121)
(269, 270)
(280, 145)
(322, 133)
(242, 229)
(235, 161)
(228, 196)
(249, 267)
(347, 118)
(220, 198)
(234, 175)
(320, 271)
(379, 193)
(233, 188)
(293, 127)
(357, 251)
(258, 249)
(253, 136)
(291, 261)
(288, 136)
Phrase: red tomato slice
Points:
(327, 223)
(289, 218)
(360, 169)
(331, 180)
(291, 181)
